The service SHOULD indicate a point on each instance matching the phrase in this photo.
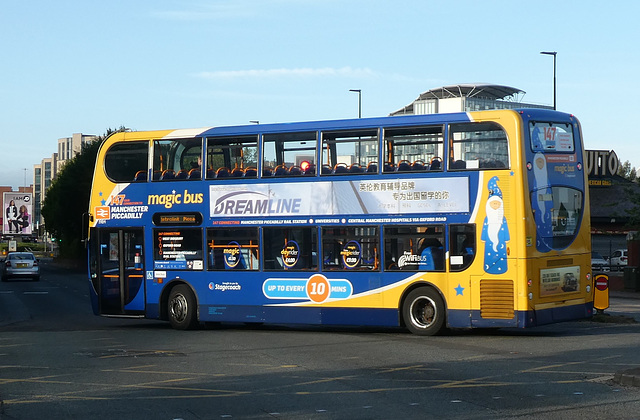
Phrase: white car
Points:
(598, 263)
(618, 259)
(19, 265)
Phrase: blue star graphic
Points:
(459, 290)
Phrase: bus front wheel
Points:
(423, 311)
(182, 308)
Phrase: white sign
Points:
(394, 196)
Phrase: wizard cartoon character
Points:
(495, 232)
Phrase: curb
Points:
(629, 377)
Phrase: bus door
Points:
(121, 271)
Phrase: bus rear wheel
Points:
(182, 308)
(423, 311)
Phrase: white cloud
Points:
(283, 72)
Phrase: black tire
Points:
(182, 309)
(423, 311)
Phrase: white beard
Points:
(494, 221)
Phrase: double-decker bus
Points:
(459, 220)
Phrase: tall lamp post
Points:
(359, 101)
(553, 53)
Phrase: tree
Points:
(67, 200)
(627, 171)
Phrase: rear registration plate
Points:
(22, 265)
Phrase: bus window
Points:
(177, 159)
(127, 162)
(462, 246)
(349, 152)
(289, 154)
(416, 248)
(232, 157)
(551, 137)
(354, 248)
(233, 249)
(177, 249)
(478, 146)
(413, 149)
(290, 248)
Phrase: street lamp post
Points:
(553, 53)
(359, 101)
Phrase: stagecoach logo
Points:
(290, 254)
(255, 203)
(351, 254)
(231, 254)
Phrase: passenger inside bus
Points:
(431, 252)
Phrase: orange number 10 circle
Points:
(318, 288)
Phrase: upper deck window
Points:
(478, 146)
(177, 159)
(127, 162)
(232, 157)
(289, 154)
(551, 137)
(349, 152)
(413, 149)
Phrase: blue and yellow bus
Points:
(459, 220)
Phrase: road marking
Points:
(36, 293)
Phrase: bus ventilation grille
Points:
(496, 299)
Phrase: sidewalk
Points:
(627, 304)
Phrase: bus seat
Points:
(211, 173)
(341, 168)
(372, 167)
(295, 170)
(251, 172)
(326, 169)
(237, 173)
(403, 166)
(167, 174)
(356, 168)
(459, 164)
(267, 171)
(195, 174)
(436, 164)
(156, 175)
(431, 259)
(281, 170)
(389, 167)
(182, 174)
(141, 176)
(311, 169)
(418, 165)
(222, 172)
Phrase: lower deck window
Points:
(233, 249)
(416, 248)
(353, 248)
(290, 248)
(177, 249)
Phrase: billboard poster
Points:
(17, 216)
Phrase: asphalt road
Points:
(57, 360)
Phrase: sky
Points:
(77, 66)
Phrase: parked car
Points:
(598, 263)
(618, 259)
(19, 265)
